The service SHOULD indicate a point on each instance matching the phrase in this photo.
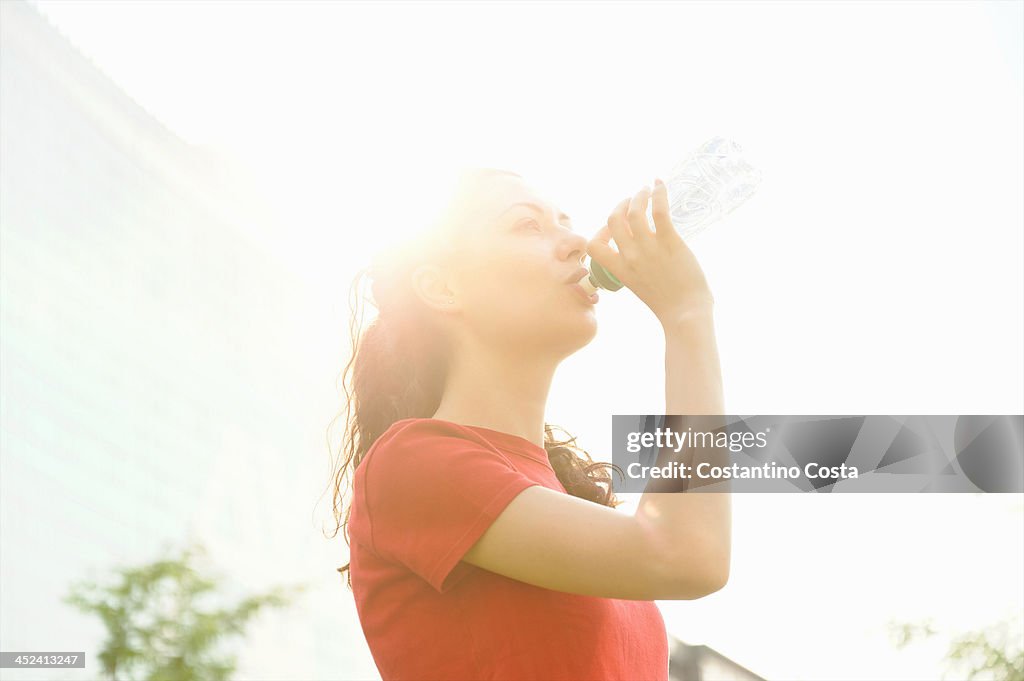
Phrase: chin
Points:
(582, 329)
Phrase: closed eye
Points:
(536, 225)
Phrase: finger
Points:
(601, 252)
(636, 215)
(604, 234)
(619, 227)
(663, 226)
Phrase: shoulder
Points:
(421, 427)
(419, 433)
(421, 466)
(413, 441)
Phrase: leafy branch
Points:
(156, 630)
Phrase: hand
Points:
(657, 265)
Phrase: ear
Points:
(431, 284)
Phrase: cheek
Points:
(510, 296)
(513, 280)
(511, 267)
(513, 294)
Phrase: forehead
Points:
(481, 209)
(501, 193)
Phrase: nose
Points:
(574, 247)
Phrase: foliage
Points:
(156, 629)
(996, 652)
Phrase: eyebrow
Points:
(535, 207)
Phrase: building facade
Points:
(151, 392)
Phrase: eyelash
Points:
(537, 224)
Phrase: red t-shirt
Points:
(424, 493)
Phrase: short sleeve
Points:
(430, 493)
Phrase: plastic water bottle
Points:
(704, 187)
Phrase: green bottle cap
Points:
(603, 278)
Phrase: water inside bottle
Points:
(707, 185)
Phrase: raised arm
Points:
(693, 524)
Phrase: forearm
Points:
(694, 527)
(693, 372)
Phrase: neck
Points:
(498, 389)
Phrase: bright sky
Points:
(877, 271)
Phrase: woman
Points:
(481, 546)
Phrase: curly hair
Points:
(397, 370)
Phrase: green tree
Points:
(156, 628)
(995, 652)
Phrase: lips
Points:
(591, 298)
(577, 275)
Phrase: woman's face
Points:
(510, 281)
